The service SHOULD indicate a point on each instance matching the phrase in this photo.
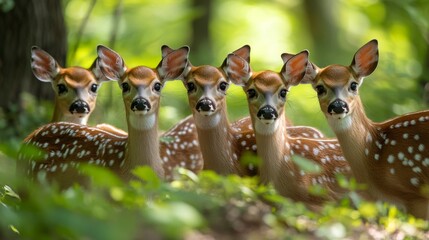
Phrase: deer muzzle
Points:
(140, 104)
(338, 106)
(79, 107)
(206, 106)
(267, 114)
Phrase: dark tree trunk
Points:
(323, 29)
(201, 45)
(30, 22)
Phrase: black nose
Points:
(205, 105)
(79, 106)
(140, 104)
(337, 107)
(268, 113)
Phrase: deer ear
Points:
(286, 56)
(243, 52)
(165, 50)
(173, 64)
(294, 69)
(310, 72)
(110, 63)
(366, 59)
(237, 69)
(43, 65)
(95, 69)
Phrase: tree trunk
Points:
(201, 44)
(30, 22)
(323, 29)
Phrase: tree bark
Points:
(201, 44)
(29, 23)
(323, 29)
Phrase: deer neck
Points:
(59, 117)
(355, 134)
(274, 151)
(143, 143)
(217, 142)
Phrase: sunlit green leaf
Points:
(148, 175)
(317, 190)
(306, 165)
(101, 176)
(249, 158)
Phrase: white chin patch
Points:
(266, 127)
(140, 113)
(339, 122)
(207, 121)
(206, 113)
(141, 121)
(80, 119)
(267, 121)
(80, 115)
(338, 116)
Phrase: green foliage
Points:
(190, 206)
(208, 204)
(7, 5)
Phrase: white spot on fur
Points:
(390, 158)
(414, 181)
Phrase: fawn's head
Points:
(266, 90)
(75, 87)
(141, 86)
(337, 86)
(207, 87)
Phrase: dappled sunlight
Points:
(203, 204)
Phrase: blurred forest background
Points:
(332, 31)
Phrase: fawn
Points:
(75, 88)
(390, 157)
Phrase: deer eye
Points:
(354, 86)
(157, 87)
(283, 93)
(223, 86)
(62, 88)
(251, 93)
(190, 86)
(94, 88)
(320, 90)
(125, 87)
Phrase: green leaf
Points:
(317, 190)
(306, 165)
(249, 158)
(148, 175)
(174, 219)
(368, 210)
(100, 176)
